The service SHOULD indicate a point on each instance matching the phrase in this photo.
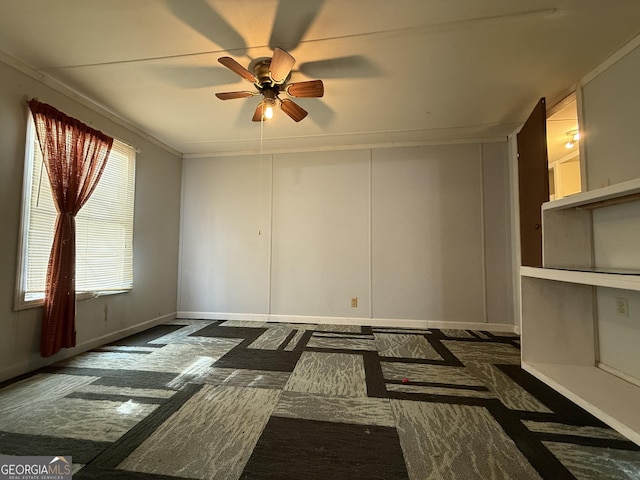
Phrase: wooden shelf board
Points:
(607, 397)
(601, 197)
(610, 280)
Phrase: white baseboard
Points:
(35, 361)
(374, 322)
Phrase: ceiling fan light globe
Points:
(268, 112)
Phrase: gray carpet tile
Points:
(233, 400)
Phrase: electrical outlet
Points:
(354, 302)
(622, 307)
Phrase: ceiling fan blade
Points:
(232, 95)
(295, 111)
(312, 88)
(257, 115)
(234, 66)
(281, 65)
(292, 21)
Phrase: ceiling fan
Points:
(270, 77)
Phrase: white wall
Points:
(427, 231)
(406, 230)
(499, 268)
(224, 261)
(616, 234)
(618, 336)
(320, 252)
(610, 106)
(616, 230)
(156, 226)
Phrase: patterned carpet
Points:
(245, 400)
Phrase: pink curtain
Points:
(75, 156)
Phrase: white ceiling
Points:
(401, 71)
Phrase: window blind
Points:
(104, 226)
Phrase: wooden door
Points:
(533, 183)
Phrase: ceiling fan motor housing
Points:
(262, 72)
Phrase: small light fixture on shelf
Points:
(574, 136)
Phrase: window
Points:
(104, 227)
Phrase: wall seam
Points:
(370, 233)
(270, 260)
(483, 209)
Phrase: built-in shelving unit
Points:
(559, 311)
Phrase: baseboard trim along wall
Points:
(374, 322)
(36, 362)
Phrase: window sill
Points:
(21, 304)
